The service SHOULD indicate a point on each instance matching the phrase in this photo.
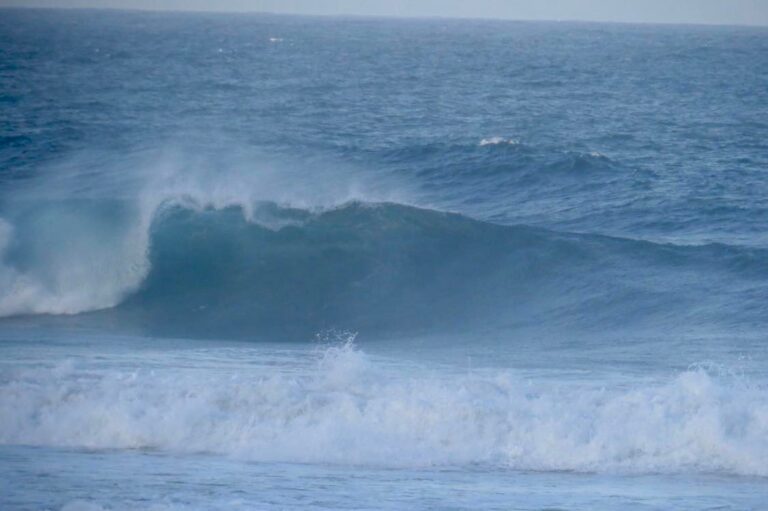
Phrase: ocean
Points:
(252, 261)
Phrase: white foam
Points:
(350, 410)
(498, 141)
(86, 271)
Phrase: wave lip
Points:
(349, 410)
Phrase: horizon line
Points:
(378, 16)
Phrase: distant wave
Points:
(502, 157)
(499, 140)
(350, 410)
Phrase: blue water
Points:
(272, 262)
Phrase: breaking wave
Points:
(201, 270)
(187, 250)
(349, 409)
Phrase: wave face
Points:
(186, 264)
(345, 408)
(386, 266)
(365, 266)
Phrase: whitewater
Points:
(281, 262)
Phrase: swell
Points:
(386, 267)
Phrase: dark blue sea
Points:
(251, 261)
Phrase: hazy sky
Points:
(752, 12)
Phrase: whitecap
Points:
(499, 141)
